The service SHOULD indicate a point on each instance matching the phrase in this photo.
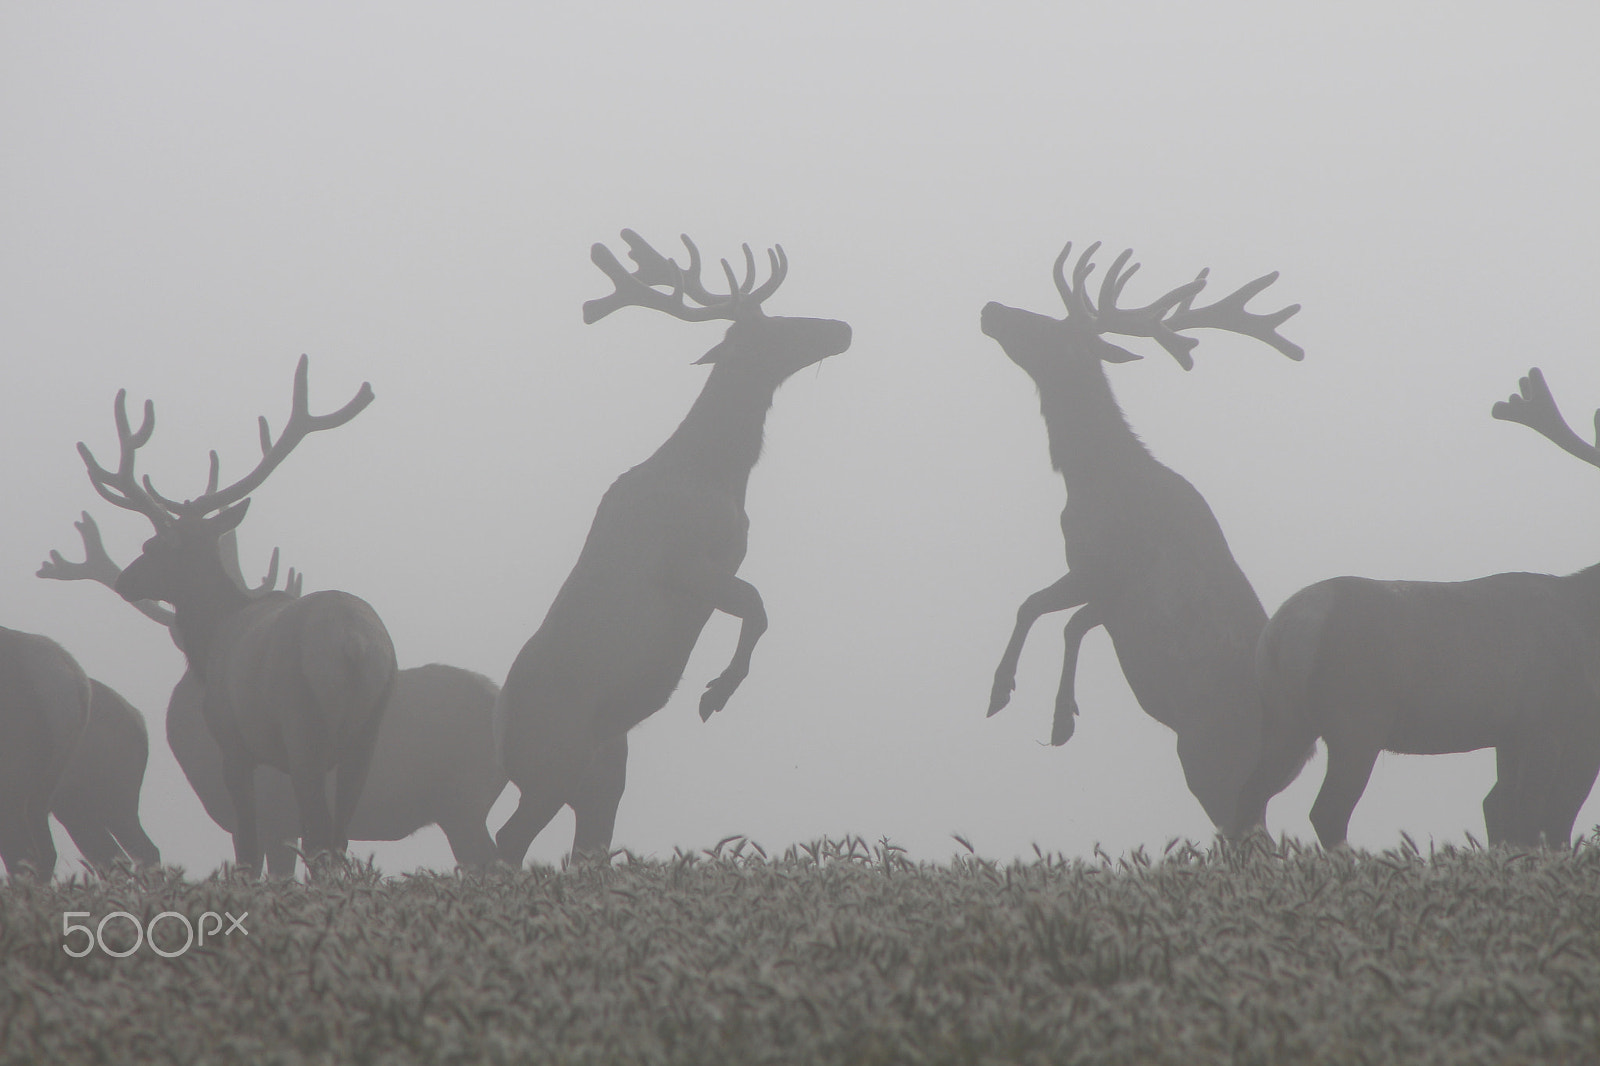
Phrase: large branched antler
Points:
(301, 424)
(99, 567)
(1164, 318)
(1534, 405)
(640, 288)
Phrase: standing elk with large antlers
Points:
(44, 705)
(1147, 558)
(299, 684)
(1510, 662)
(434, 762)
(662, 554)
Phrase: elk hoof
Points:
(1000, 695)
(715, 697)
(1066, 721)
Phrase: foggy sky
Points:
(193, 195)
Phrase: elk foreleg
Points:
(1349, 768)
(136, 842)
(739, 598)
(239, 774)
(1076, 629)
(1063, 595)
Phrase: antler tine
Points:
(636, 290)
(301, 424)
(1229, 314)
(121, 487)
(1534, 405)
(98, 567)
(271, 580)
(780, 270)
(1078, 305)
(97, 564)
(293, 582)
(1115, 279)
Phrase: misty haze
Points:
(583, 506)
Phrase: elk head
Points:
(770, 347)
(1037, 343)
(192, 559)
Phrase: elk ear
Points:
(229, 520)
(724, 347)
(1114, 353)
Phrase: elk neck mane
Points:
(721, 436)
(1086, 427)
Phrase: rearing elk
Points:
(1147, 558)
(662, 554)
(299, 684)
(1510, 662)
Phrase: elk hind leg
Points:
(25, 841)
(134, 840)
(470, 842)
(94, 842)
(595, 800)
(1568, 791)
(1504, 817)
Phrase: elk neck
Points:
(209, 599)
(1090, 440)
(720, 439)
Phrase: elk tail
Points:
(1286, 660)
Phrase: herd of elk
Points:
(1145, 555)
(287, 696)
(662, 554)
(1510, 662)
(434, 762)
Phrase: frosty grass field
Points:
(838, 952)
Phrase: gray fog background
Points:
(192, 195)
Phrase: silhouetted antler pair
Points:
(124, 489)
(1162, 319)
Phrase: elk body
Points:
(662, 554)
(44, 706)
(1146, 556)
(97, 801)
(434, 762)
(1510, 662)
(295, 683)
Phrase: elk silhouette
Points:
(1146, 556)
(662, 554)
(97, 801)
(299, 684)
(1510, 662)
(44, 706)
(434, 762)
